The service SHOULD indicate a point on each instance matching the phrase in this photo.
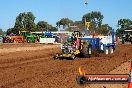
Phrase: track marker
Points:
(130, 77)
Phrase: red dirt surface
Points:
(34, 67)
(122, 69)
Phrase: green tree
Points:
(24, 21)
(10, 30)
(105, 29)
(1, 32)
(119, 31)
(95, 18)
(42, 26)
(124, 23)
(65, 22)
(76, 26)
(79, 24)
(53, 29)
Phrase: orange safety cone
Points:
(81, 71)
(130, 78)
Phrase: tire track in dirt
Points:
(50, 73)
(21, 60)
(23, 57)
(26, 62)
(46, 72)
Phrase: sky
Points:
(53, 10)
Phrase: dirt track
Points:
(33, 66)
(122, 69)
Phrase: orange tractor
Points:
(13, 39)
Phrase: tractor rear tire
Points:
(86, 50)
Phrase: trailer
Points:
(106, 44)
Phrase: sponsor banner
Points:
(107, 78)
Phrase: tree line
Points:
(26, 21)
(123, 24)
(96, 25)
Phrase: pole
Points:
(113, 36)
(85, 29)
(130, 77)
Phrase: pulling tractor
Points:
(75, 47)
(84, 46)
(127, 36)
